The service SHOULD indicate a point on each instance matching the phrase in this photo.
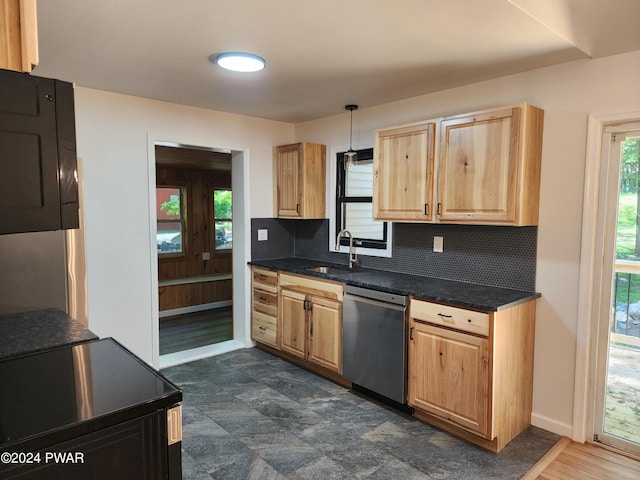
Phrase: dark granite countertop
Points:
(38, 330)
(467, 295)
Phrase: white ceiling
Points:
(321, 54)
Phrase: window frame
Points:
(213, 189)
(342, 199)
(182, 221)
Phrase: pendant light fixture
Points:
(351, 157)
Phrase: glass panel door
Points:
(618, 395)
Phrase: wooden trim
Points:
(627, 266)
(29, 34)
(196, 279)
(177, 296)
(530, 152)
(10, 41)
(18, 35)
(546, 460)
(174, 425)
(568, 460)
(625, 339)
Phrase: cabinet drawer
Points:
(265, 279)
(264, 329)
(265, 302)
(453, 317)
(325, 288)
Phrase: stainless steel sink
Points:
(330, 270)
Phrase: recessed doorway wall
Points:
(194, 311)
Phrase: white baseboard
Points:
(195, 308)
(551, 425)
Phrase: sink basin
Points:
(330, 270)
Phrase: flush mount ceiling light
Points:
(351, 157)
(240, 62)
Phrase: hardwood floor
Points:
(576, 461)
(192, 330)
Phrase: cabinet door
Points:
(403, 173)
(289, 185)
(449, 376)
(478, 167)
(28, 154)
(325, 333)
(293, 337)
(37, 154)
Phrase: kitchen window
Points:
(222, 219)
(170, 215)
(354, 203)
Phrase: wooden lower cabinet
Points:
(312, 328)
(311, 321)
(472, 374)
(264, 307)
(450, 376)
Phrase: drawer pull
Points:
(442, 315)
(263, 328)
(264, 299)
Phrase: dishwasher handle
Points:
(369, 301)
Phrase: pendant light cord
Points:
(351, 131)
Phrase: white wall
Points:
(112, 140)
(568, 93)
(112, 134)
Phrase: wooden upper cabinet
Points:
(489, 169)
(403, 173)
(18, 35)
(300, 180)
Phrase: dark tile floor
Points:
(250, 415)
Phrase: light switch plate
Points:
(438, 243)
(206, 255)
(263, 234)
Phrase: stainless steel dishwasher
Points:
(374, 341)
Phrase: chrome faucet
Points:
(353, 256)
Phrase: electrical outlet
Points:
(438, 244)
(263, 234)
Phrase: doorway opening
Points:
(617, 370)
(194, 242)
